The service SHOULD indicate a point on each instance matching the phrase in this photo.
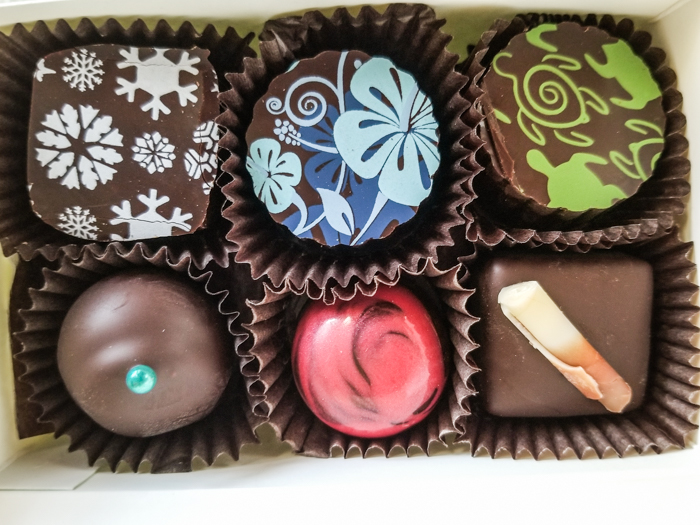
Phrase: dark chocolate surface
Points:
(343, 147)
(575, 119)
(607, 296)
(144, 318)
(122, 143)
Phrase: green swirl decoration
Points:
(592, 101)
(534, 37)
(633, 166)
(548, 98)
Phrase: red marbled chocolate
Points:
(371, 367)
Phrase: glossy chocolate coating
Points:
(343, 147)
(122, 141)
(146, 318)
(369, 367)
(575, 118)
(608, 298)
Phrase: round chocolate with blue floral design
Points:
(143, 352)
(575, 117)
(343, 147)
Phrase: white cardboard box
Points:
(271, 485)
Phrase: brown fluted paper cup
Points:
(41, 297)
(666, 415)
(273, 325)
(409, 35)
(21, 230)
(503, 212)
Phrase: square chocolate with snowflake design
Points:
(122, 141)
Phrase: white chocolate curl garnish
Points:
(546, 327)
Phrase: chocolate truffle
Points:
(122, 141)
(607, 297)
(343, 147)
(144, 352)
(370, 367)
(574, 117)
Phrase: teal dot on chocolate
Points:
(141, 379)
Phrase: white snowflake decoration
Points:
(78, 222)
(42, 70)
(77, 146)
(83, 70)
(207, 133)
(154, 152)
(157, 76)
(201, 160)
(150, 223)
(206, 187)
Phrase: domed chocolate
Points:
(144, 352)
(343, 147)
(369, 367)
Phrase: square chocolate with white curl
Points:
(607, 297)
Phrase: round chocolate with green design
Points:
(343, 147)
(574, 116)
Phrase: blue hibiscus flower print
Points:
(274, 175)
(394, 137)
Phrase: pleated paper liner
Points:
(659, 198)
(20, 229)
(277, 397)
(666, 420)
(45, 292)
(235, 283)
(410, 36)
(482, 231)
